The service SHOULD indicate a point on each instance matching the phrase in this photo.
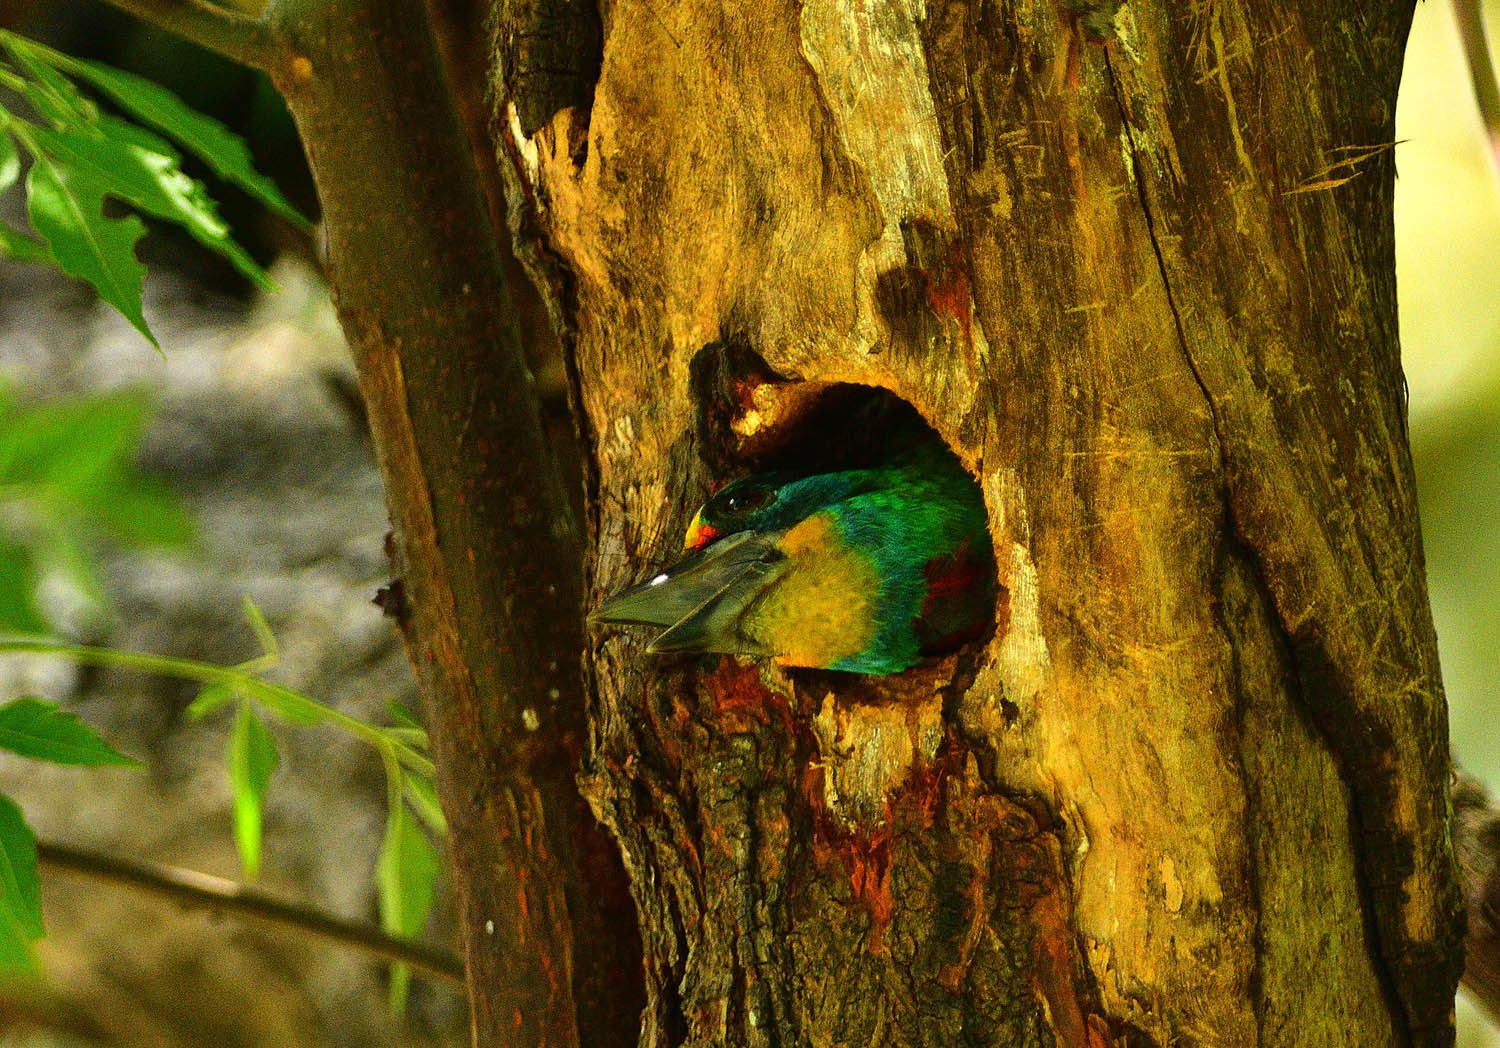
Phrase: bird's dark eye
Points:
(745, 501)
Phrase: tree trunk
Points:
(486, 556)
(1135, 267)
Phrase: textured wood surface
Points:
(1193, 789)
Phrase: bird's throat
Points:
(823, 609)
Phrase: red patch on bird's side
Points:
(949, 577)
(957, 577)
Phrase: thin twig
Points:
(1481, 70)
(192, 888)
(234, 35)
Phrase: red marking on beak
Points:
(700, 535)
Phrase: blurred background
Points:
(255, 425)
(1448, 283)
(252, 420)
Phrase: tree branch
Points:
(236, 36)
(192, 888)
(483, 537)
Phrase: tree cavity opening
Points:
(922, 514)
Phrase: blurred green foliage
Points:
(40, 731)
(409, 865)
(68, 481)
(69, 488)
(1448, 280)
(1448, 283)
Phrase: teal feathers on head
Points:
(863, 570)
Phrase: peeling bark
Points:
(1193, 790)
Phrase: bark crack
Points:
(1139, 175)
(1238, 534)
(1229, 543)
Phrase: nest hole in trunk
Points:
(750, 420)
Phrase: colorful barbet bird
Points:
(861, 570)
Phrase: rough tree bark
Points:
(1135, 266)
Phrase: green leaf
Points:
(262, 629)
(37, 729)
(424, 801)
(416, 738)
(16, 957)
(69, 462)
(67, 209)
(252, 759)
(211, 699)
(67, 442)
(405, 717)
(18, 581)
(399, 989)
(20, 895)
(53, 95)
(406, 877)
(139, 511)
(141, 168)
(223, 151)
(10, 161)
(18, 247)
(290, 706)
(408, 729)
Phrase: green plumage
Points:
(861, 570)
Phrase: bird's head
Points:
(766, 502)
(863, 570)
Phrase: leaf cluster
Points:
(66, 473)
(80, 155)
(409, 865)
(68, 484)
